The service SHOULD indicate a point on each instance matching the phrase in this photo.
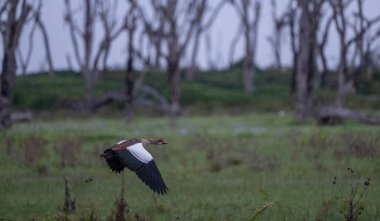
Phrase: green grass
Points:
(218, 167)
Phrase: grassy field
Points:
(219, 167)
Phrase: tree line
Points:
(161, 33)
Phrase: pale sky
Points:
(222, 33)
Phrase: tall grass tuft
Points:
(349, 205)
(221, 153)
(358, 145)
(69, 205)
(68, 150)
(27, 150)
(353, 205)
(120, 209)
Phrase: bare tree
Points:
(276, 38)
(201, 27)
(355, 41)
(154, 31)
(364, 41)
(24, 61)
(16, 13)
(136, 93)
(345, 74)
(321, 51)
(249, 15)
(38, 23)
(45, 37)
(306, 54)
(89, 59)
(170, 29)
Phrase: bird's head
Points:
(157, 141)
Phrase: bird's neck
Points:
(146, 141)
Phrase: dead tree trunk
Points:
(275, 39)
(45, 37)
(88, 36)
(248, 66)
(305, 69)
(129, 78)
(341, 26)
(174, 82)
(292, 19)
(328, 115)
(129, 82)
(24, 62)
(11, 33)
(302, 94)
(322, 54)
(315, 17)
(250, 27)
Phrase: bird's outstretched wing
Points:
(151, 176)
(147, 171)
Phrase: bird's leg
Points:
(122, 184)
(155, 204)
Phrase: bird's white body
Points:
(140, 152)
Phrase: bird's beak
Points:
(164, 142)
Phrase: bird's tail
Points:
(106, 154)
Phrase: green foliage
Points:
(209, 91)
(212, 91)
(369, 85)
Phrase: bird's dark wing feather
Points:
(129, 161)
(117, 160)
(151, 176)
(113, 160)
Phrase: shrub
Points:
(352, 206)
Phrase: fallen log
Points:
(148, 98)
(333, 115)
(22, 116)
(107, 99)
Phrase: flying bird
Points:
(132, 154)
